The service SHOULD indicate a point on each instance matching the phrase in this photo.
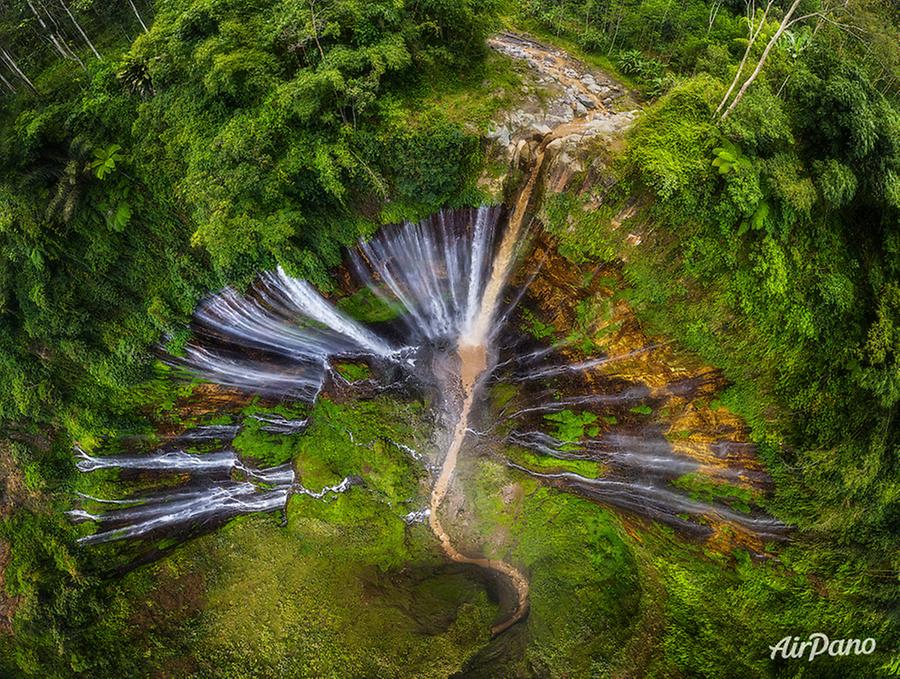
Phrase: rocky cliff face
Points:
(566, 129)
(567, 108)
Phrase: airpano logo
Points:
(819, 644)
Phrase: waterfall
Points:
(448, 275)
(278, 340)
(209, 432)
(301, 380)
(435, 269)
(160, 460)
(261, 490)
(309, 303)
(278, 424)
(658, 502)
(631, 394)
(221, 500)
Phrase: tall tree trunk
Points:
(57, 41)
(7, 57)
(762, 60)
(137, 14)
(80, 30)
(47, 30)
(8, 84)
(612, 43)
(315, 27)
(753, 35)
(50, 16)
(713, 13)
(64, 49)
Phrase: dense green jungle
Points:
(449, 338)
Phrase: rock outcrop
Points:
(581, 107)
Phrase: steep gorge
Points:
(464, 282)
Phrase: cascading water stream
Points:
(660, 503)
(279, 339)
(220, 500)
(161, 460)
(215, 495)
(448, 275)
(473, 354)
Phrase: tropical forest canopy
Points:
(152, 152)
